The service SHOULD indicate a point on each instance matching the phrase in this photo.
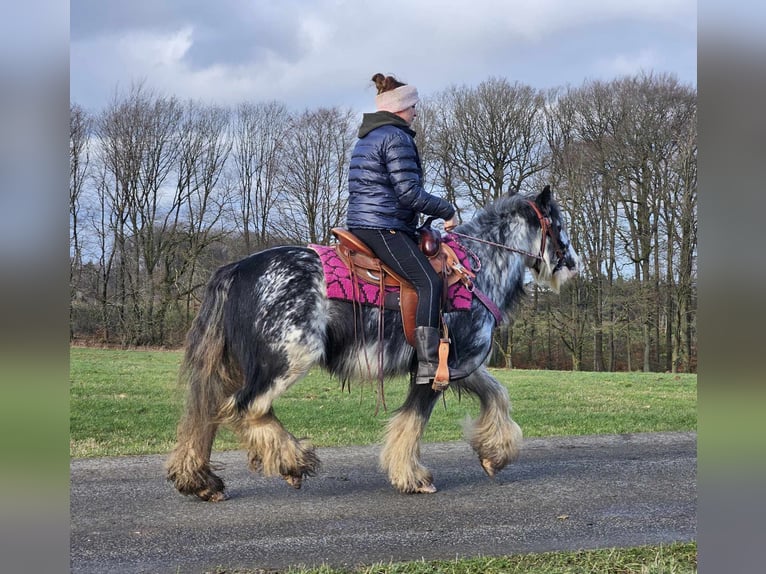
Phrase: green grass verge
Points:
(669, 559)
(127, 402)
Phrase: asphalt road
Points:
(563, 493)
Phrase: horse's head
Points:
(558, 261)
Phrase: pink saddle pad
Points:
(340, 284)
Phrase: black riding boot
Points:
(427, 350)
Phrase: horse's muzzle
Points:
(568, 262)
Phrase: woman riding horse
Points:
(386, 196)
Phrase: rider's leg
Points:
(400, 252)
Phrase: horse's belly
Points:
(363, 361)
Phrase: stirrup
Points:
(441, 378)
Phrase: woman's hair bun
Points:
(385, 83)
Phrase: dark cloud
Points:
(95, 18)
(323, 52)
(244, 41)
(224, 32)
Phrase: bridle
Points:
(560, 247)
(547, 231)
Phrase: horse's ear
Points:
(544, 199)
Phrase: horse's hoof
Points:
(295, 481)
(218, 497)
(488, 467)
(212, 496)
(425, 489)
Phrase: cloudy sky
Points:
(310, 53)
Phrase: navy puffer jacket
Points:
(385, 178)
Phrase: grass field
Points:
(128, 402)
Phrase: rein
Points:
(493, 244)
(544, 228)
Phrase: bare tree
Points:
(103, 221)
(315, 178)
(192, 220)
(494, 137)
(138, 138)
(616, 149)
(433, 125)
(484, 142)
(680, 217)
(656, 111)
(80, 123)
(577, 129)
(162, 192)
(259, 134)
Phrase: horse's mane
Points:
(496, 216)
(505, 204)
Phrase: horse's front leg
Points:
(400, 456)
(494, 436)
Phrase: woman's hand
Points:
(450, 223)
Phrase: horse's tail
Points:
(209, 376)
(207, 369)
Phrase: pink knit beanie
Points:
(397, 99)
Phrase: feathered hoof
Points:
(425, 489)
(212, 496)
(419, 482)
(201, 483)
(489, 467)
(295, 481)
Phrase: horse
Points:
(265, 320)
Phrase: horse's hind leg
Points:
(273, 451)
(188, 466)
(494, 436)
(400, 456)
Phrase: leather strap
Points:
(490, 305)
(441, 378)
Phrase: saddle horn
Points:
(430, 240)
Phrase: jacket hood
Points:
(378, 119)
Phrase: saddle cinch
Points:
(363, 264)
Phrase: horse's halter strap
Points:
(547, 231)
(545, 226)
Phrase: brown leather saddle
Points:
(363, 264)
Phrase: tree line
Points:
(163, 191)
